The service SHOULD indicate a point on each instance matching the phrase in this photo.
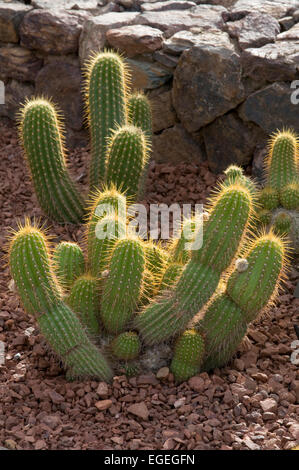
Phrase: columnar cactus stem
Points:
(41, 132)
(188, 355)
(124, 285)
(39, 292)
(282, 161)
(106, 88)
(126, 346)
(68, 263)
(127, 157)
(289, 195)
(230, 212)
(282, 224)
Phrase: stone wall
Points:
(221, 74)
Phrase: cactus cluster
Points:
(120, 295)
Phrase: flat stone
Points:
(272, 62)
(287, 22)
(147, 75)
(162, 373)
(19, 63)
(268, 416)
(135, 39)
(11, 15)
(170, 61)
(200, 97)
(103, 405)
(269, 404)
(102, 390)
(176, 145)
(275, 8)
(197, 384)
(290, 34)
(170, 5)
(15, 94)
(170, 22)
(62, 82)
(250, 444)
(51, 31)
(87, 5)
(93, 36)
(163, 112)
(228, 140)
(271, 108)
(139, 409)
(255, 30)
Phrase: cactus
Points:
(68, 263)
(127, 157)
(84, 300)
(230, 212)
(107, 215)
(282, 160)
(126, 346)
(264, 217)
(40, 294)
(282, 224)
(106, 88)
(235, 174)
(41, 132)
(269, 198)
(188, 355)
(124, 285)
(171, 275)
(289, 196)
(247, 293)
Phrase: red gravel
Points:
(252, 404)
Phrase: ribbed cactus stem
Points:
(224, 230)
(106, 107)
(282, 224)
(127, 157)
(269, 198)
(171, 275)
(282, 161)
(188, 355)
(289, 195)
(39, 292)
(84, 300)
(124, 284)
(235, 174)
(126, 346)
(41, 132)
(68, 263)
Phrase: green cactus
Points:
(171, 275)
(230, 212)
(39, 292)
(179, 252)
(84, 300)
(127, 157)
(126, 346)
(107, 216)
(282, 224)
(282, 160)
(235, 174)
(247, 293)
(41, 132)
(289, 196)
(106, 88)
(68, 263)
(269, 198)
(264, 217)
(188, 355)
(124, 284)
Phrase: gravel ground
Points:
(251, 404)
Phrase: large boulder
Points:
(19, 63)
(135, 39)
(175, 145)
(147, 74)
(11, 15)
(169, 5)
(254, 30)
(162, 109)
(275, 8)
(207, 81)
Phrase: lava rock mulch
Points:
(250, 404)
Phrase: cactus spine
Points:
(41, 132)
(39, 291)
(124, 284)
(68, 263)
(106, 107)
(229, 215)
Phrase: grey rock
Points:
(11, 15)
(147, 75)
(287, 22)
(176, 145)
(163, 112)
(275, 8)
(93, 36)
(272, 62)
(15, 94)
(170, 61)
(207, 82)
(292, 34)
(255, 30)
(170, 5)
(52, 31)
(271, 108)
(87, 5)
(62, 82)
(229, 140)
(170, 22)
(19, 63)
(135, 39)
(183, 40)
